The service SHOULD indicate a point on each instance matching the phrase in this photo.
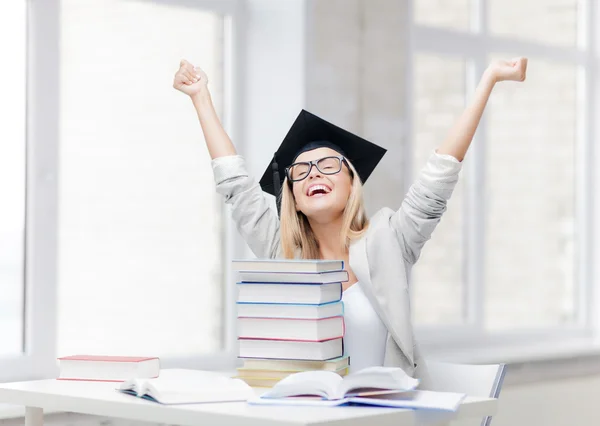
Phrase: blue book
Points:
(288, 265)
(290, 310)
(295, 277)
(248, 292)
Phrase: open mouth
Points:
(318, 190)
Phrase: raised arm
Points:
(256, 221)
(460, 136)
(426, 200)
(193, 82)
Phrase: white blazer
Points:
(381, 260)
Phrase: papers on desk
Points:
(376, 386)
(179, 386)
(417, 399)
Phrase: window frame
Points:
(38, 359)
(475, 46)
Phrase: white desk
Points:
(102, 399)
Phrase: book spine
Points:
(290, 304)
(291, 340)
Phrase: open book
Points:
(374, 386)
(331, 386)
(179, 386)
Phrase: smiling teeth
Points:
(312, 189)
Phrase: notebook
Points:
(180, 386)
(377, 386)
(107, 368)
(308, 330)
(288, 265)
(416, 399)
(294, 365)
(293, 277)
(283, 349)
(290, 310)
(331, 386)
(288, 293)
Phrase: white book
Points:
(295, 365)
(297, 277)
(288, 265)
(331, 386)
(107, 368)
(282, 349)
(313, 330)
(179, 386)
(289, 310)
(416, 399)
(288, 293)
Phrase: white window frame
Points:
(475, 46)
(38, 359)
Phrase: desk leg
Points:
(34, 416)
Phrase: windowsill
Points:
(528, 363)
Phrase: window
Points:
(507, 255)
(455, 14)
(556, 21)
(439, 99)
(13, 25)
(141, 267)
(530, 205)
(125, 248)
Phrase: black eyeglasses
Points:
(326, 165)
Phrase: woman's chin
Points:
(321, 209)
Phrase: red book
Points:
(107, 368)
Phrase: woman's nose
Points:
(314, 172)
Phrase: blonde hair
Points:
(296, 233)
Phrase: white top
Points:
(365, 336)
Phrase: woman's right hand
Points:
(189, 79)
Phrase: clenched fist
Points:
(514, 70)
(189, 79)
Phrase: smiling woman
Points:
(323, 216)
(321, 197)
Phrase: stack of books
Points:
(290, 318)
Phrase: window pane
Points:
(140, 268)
(12, 174)
(549, 22)
(453, 14)
(530, 187)
(437, 284)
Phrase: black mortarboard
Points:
(310, 132)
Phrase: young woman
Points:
(322, 213)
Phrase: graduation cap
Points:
(311, 132)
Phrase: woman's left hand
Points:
(513, 70)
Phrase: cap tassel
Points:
(276, 182)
